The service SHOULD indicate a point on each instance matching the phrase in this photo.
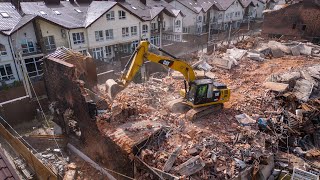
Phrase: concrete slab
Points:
(305, 74)
(274, 86)
(303, 89)
(236, 53)
(223, 63)
(255, 56)
(276, 52)
(281, 46)
(305, 50)
(295, 50)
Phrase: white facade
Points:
(8, 72)
(58, 33)
(24, 42)
(260, 8)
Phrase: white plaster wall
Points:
(26, 32)
(168, 21)
(178, 30)
(116, 25)
(82, 46)
(235, 7)
(5, 41)
(190, 16)
(8, 59)
(48, 29)
(260, 8)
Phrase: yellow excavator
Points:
(201, 96)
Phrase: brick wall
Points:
(290, 21)
(63, 87)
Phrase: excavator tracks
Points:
(195, 114)
(177, 105)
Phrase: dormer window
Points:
(42, 13)
(57, 12)
(5, 15)
(78, 10)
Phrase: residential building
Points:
(9, 17)
(261, 6)
(298, 20)
(196, 17)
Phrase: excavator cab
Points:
(206, 91)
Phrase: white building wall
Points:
(8, 58)
(82, 46)
(260, 8)
(230, 13)
(26, 32)
(48, 29)
(178, 29)
(190, 16)
(103, 24)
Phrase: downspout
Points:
(13, 56)
(139, 31)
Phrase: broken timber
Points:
(172, 158)
(41, 170)
(191, 166)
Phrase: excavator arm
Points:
(142, 53)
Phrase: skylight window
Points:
(57, 12)
(43, 13)
(5, 15)
(78, 10)
(134, 8)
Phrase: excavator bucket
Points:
(113, 88)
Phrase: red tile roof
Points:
(7, 172)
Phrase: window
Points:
(57, 12)
(144, 28)
(109, 34)
(164, 25)
(5, 15)
(78, 38)
(134, 45)
(97, 53)
(99, 35)
(134, 30)
(177, 37)
(110, 15)
(199, 18)
(49, 43)
(122, 14)
(220, 16)
(6, 72)
(78, 10)
(178, 24)
(153, 26)
(42, 13)
(84, 52)
(34, 67)
(125, 32)
(108, 51)
(155, 40)
(27, 46)
(3, 51)
(125, 48)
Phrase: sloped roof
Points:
(69, 17)
(161, 3)
(96, 10)
(224, 4)
(8, 23)
(22, 22)
(6, 169)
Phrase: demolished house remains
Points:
(268, 129)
